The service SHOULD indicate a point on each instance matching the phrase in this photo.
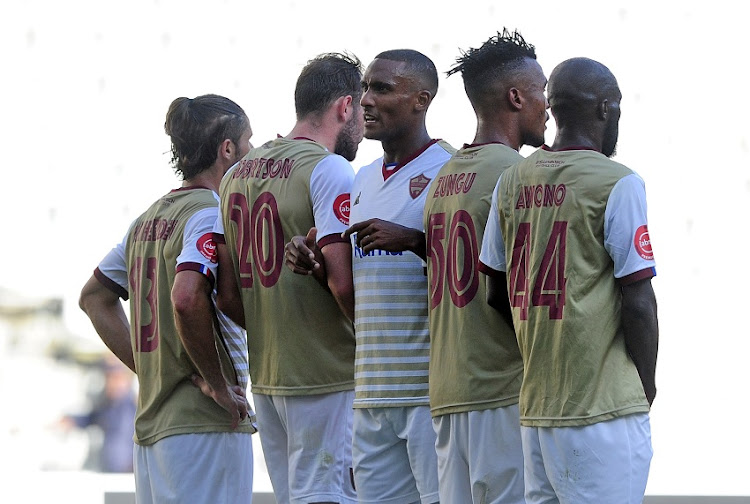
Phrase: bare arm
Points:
(641, 329)
(497, 296)
(228, 295)
(337, 263)
(105, 311)
(193, 311)
(377, 234)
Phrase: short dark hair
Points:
(417, 63)
(197, 126)
(494, 60)
(325, 79)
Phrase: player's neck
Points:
(499, 128)
(317, 131)
(567, 139)
(399, 149)
(210, 179)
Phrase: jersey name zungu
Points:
(474, 359)
(562, 287)
(300, 343)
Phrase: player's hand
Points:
(230, 397)
(302, 254)
(377, 234)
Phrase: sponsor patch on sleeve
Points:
(207, 246)
(642, 243)
(341, 208)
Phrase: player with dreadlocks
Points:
(475, 365)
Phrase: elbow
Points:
(88, 297)
(184, 303)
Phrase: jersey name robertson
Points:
(474, 359)
(300, 341)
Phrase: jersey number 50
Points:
(463, 279)
(260, 238)
(549, 287)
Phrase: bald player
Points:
(301, 335)
(569, 226)
(192, 430)
(475, 364)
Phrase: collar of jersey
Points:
(391, 168)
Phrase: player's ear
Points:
(515, 98)
(344, 107)
(602, 110)
(424, 98)
(226, 149)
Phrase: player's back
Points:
(474, 359)
(563, 290)
(300, 342)
(168, 402)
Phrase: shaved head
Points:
(578, 83)
(578, 89)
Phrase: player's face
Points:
(389, 96)
(535, 117)
(351, 134)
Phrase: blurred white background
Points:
(85, 86)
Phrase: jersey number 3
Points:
(143, 282)
(260, 238)
(549, 287)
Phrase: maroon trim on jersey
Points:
(188, 188)
(219, 239)
(332, 238)
(467, 146)
(387, 172)
(197, 267)
(111, 284)
(304, 138)
(488, 271)
(572, 147)
(638, 275)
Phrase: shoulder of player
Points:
(445, 146)
(375, 167)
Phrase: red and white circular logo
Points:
(642, 243)
(207, 246)
(341, 208)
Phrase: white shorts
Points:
(394, 455)
(480, 459)
(307, 444)
(606, 463)
(205, 468)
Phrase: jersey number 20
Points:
(260, 238)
